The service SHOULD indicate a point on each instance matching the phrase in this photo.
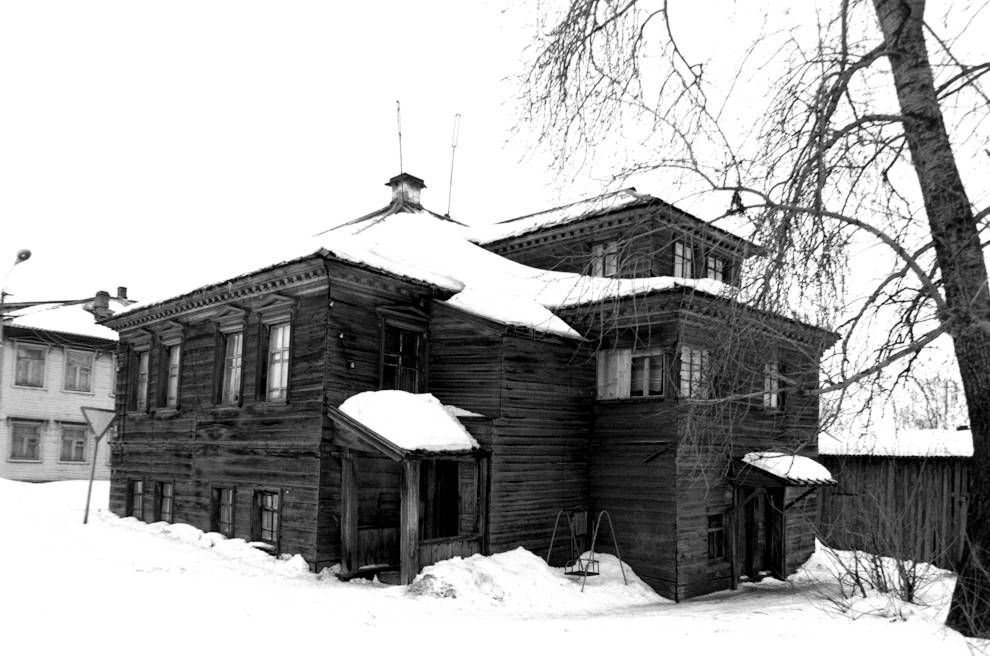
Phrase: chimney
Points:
(101, 306)
(406, 188)
(122, 293)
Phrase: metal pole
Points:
(92, 475)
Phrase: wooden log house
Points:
(582, 393)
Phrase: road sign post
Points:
(99, 420)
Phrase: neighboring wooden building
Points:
(55, 360)
(902, 493)
(582, 393)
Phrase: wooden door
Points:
(761, 531)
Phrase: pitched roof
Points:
(790, 469)
(903, 443)
(70, 318)
(587, 208)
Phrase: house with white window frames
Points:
(55, 360)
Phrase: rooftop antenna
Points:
(453, 150)
(398, 122)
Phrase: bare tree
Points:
(846, 140)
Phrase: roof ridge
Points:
(629, 190)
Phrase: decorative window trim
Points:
(280, 310)
(45, 349)
(85, 443)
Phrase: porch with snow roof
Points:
(413, 484)
(765, 485)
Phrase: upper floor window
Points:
(683, 260)
(624, 373)
(277, 386)
(715, 268)
(605, 259)
(401, 358)
(25, 440)
(30, 366)
(771, 386)
(172, 362)
(142, 361)
(233, 350)
(695, 372)
(73, 444)
(78, 370)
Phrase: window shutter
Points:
(623, 372)
(606, 383)
(219, 350)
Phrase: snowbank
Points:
(415, 422)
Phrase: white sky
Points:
(152, 144)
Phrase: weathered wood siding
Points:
(911, 508)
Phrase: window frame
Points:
(718, 548)
(404, 327)
(696, 385)
(135, 498)
(617, 365)
(85, 443)
(231, 379)
(160, 499)
(716, 267)
(43, 349)
(216, 511)
(285, 362)
(605, 258)
(772, 400)
(69, 352)
(258, 529)
(683, 259)
(38, 425)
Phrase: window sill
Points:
(73, 462)
(81, 392)
(226, 410)
(24, 460)
(38, 388)
(166, 413)
(632, 399)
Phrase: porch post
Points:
(348, 512)
(409, 522)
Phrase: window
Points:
(266, 517)
(401, 358)
(137, 376)
(771, 386)
(683, 260)
(230, 390)
(164, 493)
(624, 373)
(73, 446)
(135, 499)
(30, 366)
(716, 537)
(277, 385)
(173, 358)
(223, 510)
(25, 440)
(78, 371)
(695, 369)
(715, 268)
(605, 259)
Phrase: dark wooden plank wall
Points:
(912, 508)
(540, 440)
(465, 361)
(257, 446)
(645, 235)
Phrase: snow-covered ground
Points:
(119, 586)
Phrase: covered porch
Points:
(407, 501)
(765, 486)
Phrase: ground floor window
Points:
(716, 536)
(135, 499)
(73, 447)
(164, 493)
(223, 510)
(266, 517)
(25, 442)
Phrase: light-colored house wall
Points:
(53, 405)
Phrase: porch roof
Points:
(784, 468)
(398, 424)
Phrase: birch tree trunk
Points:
(960, 259)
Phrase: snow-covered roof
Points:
(412, 422)
(569, 213)
(69, 318)
(906, 443)
(414, 244)
(796, 470)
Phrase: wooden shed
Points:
(901, 493)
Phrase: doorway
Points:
(761, 538)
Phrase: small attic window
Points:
(605, 259)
